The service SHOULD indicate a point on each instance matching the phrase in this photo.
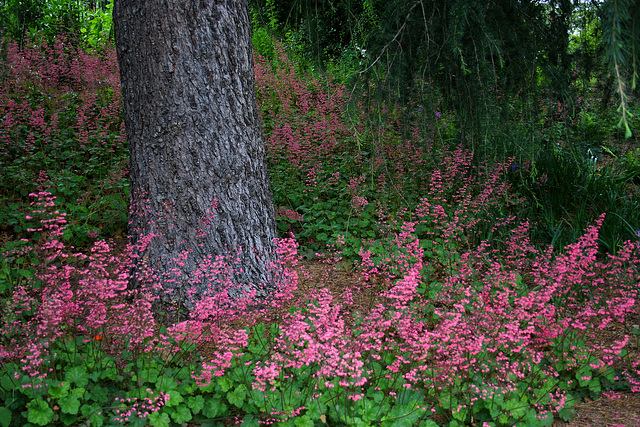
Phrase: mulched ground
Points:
(604, 412)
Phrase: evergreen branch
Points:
(395, 37)
(618, 37)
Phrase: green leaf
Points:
(209, 388)
(371, 409)
(150, 375)
(196, 403)
(304, 421)
(259, 399)
(59, 390)
(7, 383)
(77, 375)
(362, 222)
(109, 373)
(175, 398)
(187, 386)
(449, 402)
(99, 394)
(531, 419)
(92, 412)
(156, 419)
(316, 409)
(251, 421)
(68, 419)
(403, 422)
(545, 419)
(237, 396)
(166, 383)
(69, 404)
(357, 422)
(224, 383)
(40, 413)
(584, 372)
(567, 414)
(5, 416)
(182, 415)
(494, 410)
(212, 406)
(460, 415)
(79, 393)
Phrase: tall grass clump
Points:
(570, 166)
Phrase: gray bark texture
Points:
(195, 139)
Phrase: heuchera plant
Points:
(511, 337)
(60, 109)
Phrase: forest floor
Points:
(606, 412)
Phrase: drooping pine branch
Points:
(621, 19)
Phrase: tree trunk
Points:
(199, 184)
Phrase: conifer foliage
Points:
(621, 37)
(477, 55)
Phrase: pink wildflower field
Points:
(451, 315)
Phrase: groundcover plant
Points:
(453, 318)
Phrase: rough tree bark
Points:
(195, 139)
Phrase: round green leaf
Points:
(156, 419)
(40, 413)
(181, 415)
(5, 416)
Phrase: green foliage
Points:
(318, 33)
(54, 17)
(94, 211)
(97, 29)
(92, 387)
(19, 16)
(567, 188)
(329, 217)
(88, 172)
(505, 94)
(462, 49)
(17, 265)
(264, 23)
(631, 164)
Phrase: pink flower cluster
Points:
(289, 214)
(304, 121)
(70, 81)
(140, 408)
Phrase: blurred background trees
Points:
(478, 55)
(86, 20)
